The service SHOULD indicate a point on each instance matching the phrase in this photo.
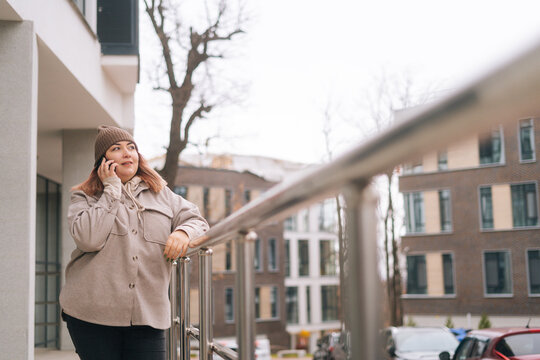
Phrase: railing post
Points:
(205, 304)
(245, 298)
(173, 355)
(184, 308)
(362, 282)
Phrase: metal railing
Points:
(508, 93)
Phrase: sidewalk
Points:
(47, 354)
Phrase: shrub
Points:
(484, 322)
(449, 323)
(411, 322)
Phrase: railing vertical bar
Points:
(174, 319)
(205, 304)
(245, 298)
(184, 308)
(362, 275)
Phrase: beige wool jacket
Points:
(118, 275)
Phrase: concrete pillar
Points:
(77, 162)
(18, 158)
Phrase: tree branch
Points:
(163, 38)
(199, 113)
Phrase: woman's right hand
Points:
(107, 169)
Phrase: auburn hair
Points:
(93, 184)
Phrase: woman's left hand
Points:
(177, 245)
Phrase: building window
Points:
(327, 215)
(181, 190)
(247, 196)
(327, 258)
(117, 26)
(329, 302)
(414, 212)
(448, 274)
(287, 258)
(291, 302)
(526, 140)
(272, 254)
(257, 259)
(524, 210)
(445, 210)
(416, 274)
(486, 207)
(497, 273)
(490, 147)
(290, 223)
(274, 302)
(229, 305)
(442, 160)
(303, 258)
(228, 256)
(533, 264)
(266, 302)
(206, 202)
(228, 202)
(438, 284)
(305, 219)
(308, 303)
(47, 282)
(257, 303)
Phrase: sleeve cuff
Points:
(187, 230)
(113, 187)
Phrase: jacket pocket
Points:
(157, 223)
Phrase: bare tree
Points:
(187, 50)
(342, 245)
(390, 95)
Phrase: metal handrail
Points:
(510, 92)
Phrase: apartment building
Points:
(312, 274)
(218, 192)
(308, 257)
(66, 67)
(472, 237)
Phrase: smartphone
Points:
(98, 162)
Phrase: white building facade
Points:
(312, 274)
(64, 70)
(312, 293)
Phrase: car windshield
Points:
(519, 344)
(425, 340)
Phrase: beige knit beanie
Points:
(108, 135)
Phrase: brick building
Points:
(308, 255)
(218, 193)
(472, 241)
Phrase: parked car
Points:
(459, 333)
(262, 347)
(499, 343)
(412, 343)
(332, 346)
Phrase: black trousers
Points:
(100, 342)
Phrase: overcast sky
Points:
(300, 55)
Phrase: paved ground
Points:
(44, 354)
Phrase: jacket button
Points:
(135, 257)
(134, 231)
(131, 286)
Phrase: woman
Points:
(127, 225)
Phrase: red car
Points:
(500, 344)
